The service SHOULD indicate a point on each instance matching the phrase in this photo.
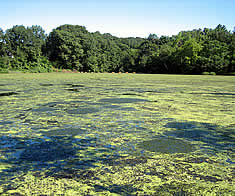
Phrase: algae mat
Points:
(116, 134)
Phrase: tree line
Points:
(73, 47)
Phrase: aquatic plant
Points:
(124, 134)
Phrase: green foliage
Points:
(73, 47)
(208, 73)
(212, 73)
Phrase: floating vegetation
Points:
(83, 110)
(64, 132)
(167, 145)
(116, 134)
(122, 100)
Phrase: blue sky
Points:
(121, 18)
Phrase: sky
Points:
(122, 18)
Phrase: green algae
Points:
(167, 145)
(121, 100)
(123, 134)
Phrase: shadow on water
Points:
(47, 151)
(8, 94)
(212, 136)
(197, 93)
(46, 84)
(178, 139)
(52, 155)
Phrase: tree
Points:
(24, 47)
(215, 56)
(73, 47)
(231, 67)
(64, 46)
(152, 37)
(190, 54)
(2, 44)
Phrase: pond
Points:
(124, 134)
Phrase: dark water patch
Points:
(148, 108)
(199, 160)
(77, 85)
(233, 94)
(47, 151)
(167, 145)
(74, 102)
(39, 122)
(99, 188)
(206, 178)
(46, 84)
(142, 128)
(124, 190)
(67, 84)
(230, 161)
(196, 135)
(8, 142)
(49, 154)
(209, 126)
(43, 109)
(144, 90)
(64, 132)
(4, 90)
(136, 121)
(73, 89)
(52, 122)
(6, 122)
(53, 104)
(94, 103)
(111, 106)
(60, 103)
(122, 100)
(204, 93)
(127, 109)
(83, 110)
(8, 94)
(213, 137)
(135, 94)
(22, 116)
(72, 173)
(180, 125)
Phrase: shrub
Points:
(208, 73)
(205, 73)
(212, 73)
(4, 71)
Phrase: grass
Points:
(116, 134)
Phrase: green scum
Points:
(116, 134)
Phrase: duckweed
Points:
(116, 134)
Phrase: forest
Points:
(73, 47)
